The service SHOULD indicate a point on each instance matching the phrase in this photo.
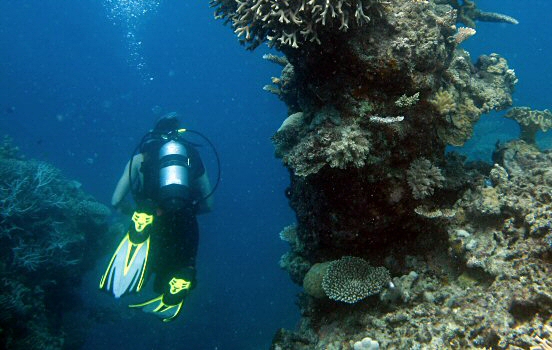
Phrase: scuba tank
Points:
(174, 168)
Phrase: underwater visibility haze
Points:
(385, 172)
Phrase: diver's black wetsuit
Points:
(175, 236)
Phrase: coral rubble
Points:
(371, 110)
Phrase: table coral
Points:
(530, 121)
(351, 279)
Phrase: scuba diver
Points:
(170, 187)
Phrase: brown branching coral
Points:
(282, 86)
(290, 22)
(423, 178)
(350, 149)
(463, 34)
(342, 147)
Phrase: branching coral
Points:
(443, 101)
(342, 147)
(289, 234)
(350, 149)
(423, 177)
(463, 34)
(33, 189)
(27, 187)
(291, 23)
(407, 101)
(283, 86)
(468, 13)
(12, 299)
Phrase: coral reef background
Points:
(374, 99)
(50, 235)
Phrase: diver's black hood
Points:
(166, 123)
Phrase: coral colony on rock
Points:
(50, 234)
(399, 245)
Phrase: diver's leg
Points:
(175, 269)
(181, 250)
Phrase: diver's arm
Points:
(123, 186)
(204, 187)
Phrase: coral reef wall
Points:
(50, 234)
(376, 90)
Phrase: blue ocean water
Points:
(81, 81)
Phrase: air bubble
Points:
(128, 13)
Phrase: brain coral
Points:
(351, 279)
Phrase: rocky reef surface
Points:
(399, 244)
(51, 233)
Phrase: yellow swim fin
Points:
(167, 306)
(126, 270)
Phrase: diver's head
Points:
(167, 123)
